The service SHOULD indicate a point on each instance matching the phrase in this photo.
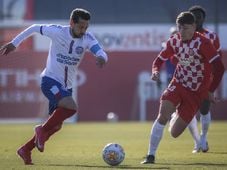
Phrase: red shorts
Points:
(187, 102)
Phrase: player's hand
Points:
(212, 98)
(100, 61)
(155, 76)
(7, 48)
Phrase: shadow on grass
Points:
(195, 164)
(109, 167)
(217, 153)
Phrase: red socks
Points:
(57, 118)
(52, 131)
(52, 125)
(30, 144)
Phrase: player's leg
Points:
(53, 131)
(193, 128)
(168, 102)
(52, 108)
(205, 119)
(65, 108)
(178, 126)
(24, 152)
(56, 119)
(172, 120)
(166, 108)
(187, 109)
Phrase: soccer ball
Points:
(113, 154)
(112, 117)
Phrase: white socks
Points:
(155, 137)
(193, 128)
(205, 122)
(157, 132)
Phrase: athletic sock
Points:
(52, 131)
(205, 122)
(57, 117)
(30, 144)
(155, 137)
(193, 128)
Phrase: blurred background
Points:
(130, 31)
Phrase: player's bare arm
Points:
(7, 48)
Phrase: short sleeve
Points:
(167, 52)
(50, 30)
(208, 50)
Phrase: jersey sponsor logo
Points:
(79, 50)
(67, 59)
(185, 61)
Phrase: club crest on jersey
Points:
(79, 50)
(191, 52)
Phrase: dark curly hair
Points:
(198, 8)
(78, 13)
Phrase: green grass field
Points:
(80, 146)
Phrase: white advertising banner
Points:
(132, 37)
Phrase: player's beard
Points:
(80, 35)
(76, 35)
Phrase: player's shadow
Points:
(218, 153)
(196, 164)
(107, 167)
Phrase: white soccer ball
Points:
(113, 154)
(112, 117)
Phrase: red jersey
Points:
(213, 37)
(193, 71)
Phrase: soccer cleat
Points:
(204, 144)
(205, 147)
(25, 154)
(149, 159)
(196, 150)
(40, 138)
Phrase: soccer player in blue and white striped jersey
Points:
(67, 48)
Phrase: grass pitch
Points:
(79, 146)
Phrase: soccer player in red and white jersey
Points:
(205, 116)
(68, 46)
(198, 60)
